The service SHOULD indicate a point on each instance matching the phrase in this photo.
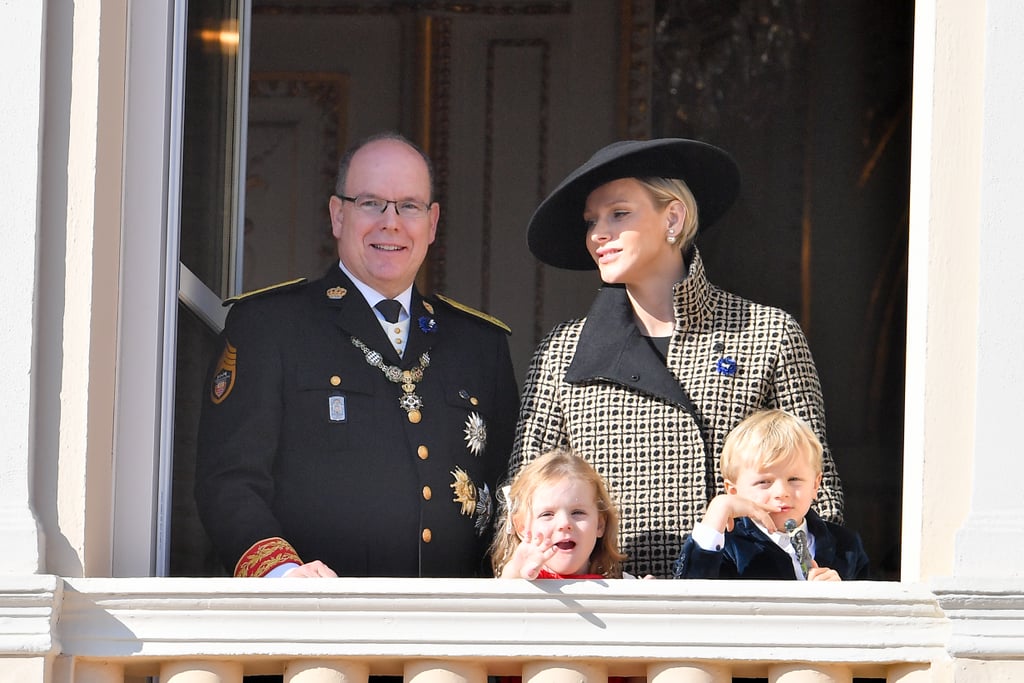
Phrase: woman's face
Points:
(627, 234)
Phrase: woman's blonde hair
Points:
(556, 465)
(663, 192)
(766, 438)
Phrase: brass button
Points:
(423, 452)
(426, 535)
(398, 330)
(474, 400)
(426, 493)
(335, 380)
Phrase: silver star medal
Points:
(484, 510)
(476, 434)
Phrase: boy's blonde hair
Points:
(555, 465)
(766, 438)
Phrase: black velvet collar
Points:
(749, 541)
(611, 348)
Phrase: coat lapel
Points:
(420, 339)
(750, 543)
(612, 349)
(824, 543)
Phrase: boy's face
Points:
(788, 487)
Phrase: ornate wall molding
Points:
(636, 55)
(543, 123)
(435, 56)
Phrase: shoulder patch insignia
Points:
(287, 284)
(224, 376)
(473, 312)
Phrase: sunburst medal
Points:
(476, 434)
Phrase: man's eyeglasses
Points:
(372, 206)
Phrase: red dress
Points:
(546, 574)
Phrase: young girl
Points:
(559, 523)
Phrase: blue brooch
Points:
(427, 325)
(726, 366)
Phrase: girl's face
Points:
(627, 235)
(565, 511)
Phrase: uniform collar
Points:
(372, 296)
(353, 315)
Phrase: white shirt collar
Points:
(782, 538)
(372, 296)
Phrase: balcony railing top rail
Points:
(625, 625)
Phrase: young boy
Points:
(763, 527)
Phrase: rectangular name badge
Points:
(336, 408)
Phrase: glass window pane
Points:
(212, 136)
(211, 139)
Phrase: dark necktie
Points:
(390, 309)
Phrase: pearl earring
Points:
(671, 237)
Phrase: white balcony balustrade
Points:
(464, 630)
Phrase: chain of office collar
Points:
(409, 401)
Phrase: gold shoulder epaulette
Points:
(263, 290)
(475, 313)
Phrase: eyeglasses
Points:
(372, 206)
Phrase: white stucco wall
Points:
(59, 266)
(963, 513)
(21, 53)
(991, 544)
(91, 257)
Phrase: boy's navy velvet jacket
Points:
(749, 554)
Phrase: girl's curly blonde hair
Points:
(556, 465)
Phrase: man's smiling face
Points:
(385, 250)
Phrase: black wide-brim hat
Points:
(557, 234)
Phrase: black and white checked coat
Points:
(654, 432)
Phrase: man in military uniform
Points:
(352, 426)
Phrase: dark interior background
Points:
(811, 97)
